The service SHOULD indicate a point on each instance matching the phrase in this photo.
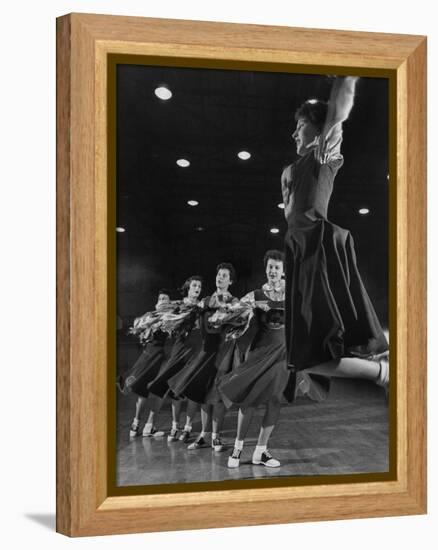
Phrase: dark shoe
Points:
(185, 436)
(217, 445)
(134, 430)
(152, 433)
(173, 435)
(266, 460)
(198, 444)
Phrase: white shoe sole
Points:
(277, 464)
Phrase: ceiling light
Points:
(120, 229)
(274, 230)
(281, 205)
(199, 229)
(244, 155)
(192, 203)
(364, 211)
(163, 93)
(183, 163)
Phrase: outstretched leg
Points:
(355, 367)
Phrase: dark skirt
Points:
(259, 379)
(329, 314)
(182, 352)
(199, 379)
(264, 377)
(144, 370)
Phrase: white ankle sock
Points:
(174, 425)
(148, 426)
(135, 422)
(187, 428)
(259, 450)
(238, 444)
(204, 434)
(214, 435)
(383, 377)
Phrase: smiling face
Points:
(194, 290)
(274, 270)
(305, 134)
(162, 299)
(223, 279)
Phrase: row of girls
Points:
(226, 352)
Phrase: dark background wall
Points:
(212, 115)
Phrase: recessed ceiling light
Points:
(244, 155)
(192, 203)
(387, 177)
(274, 230)
(199, 229)
(120, 229)
(163, 93)
(364, 211)
(183, 163)
(281, 205)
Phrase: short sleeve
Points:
(328, 149)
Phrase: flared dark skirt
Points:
(180, 355)
(259, 379)
(144, 370)
(199, 379)
(329, 314)
(264, 377)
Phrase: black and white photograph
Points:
(252, 258)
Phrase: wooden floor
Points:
(347, 433)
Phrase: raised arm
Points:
(341, 101)
(339, 107)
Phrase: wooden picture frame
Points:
(84, 43)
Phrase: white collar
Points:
(226, 293)
(271, 287)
